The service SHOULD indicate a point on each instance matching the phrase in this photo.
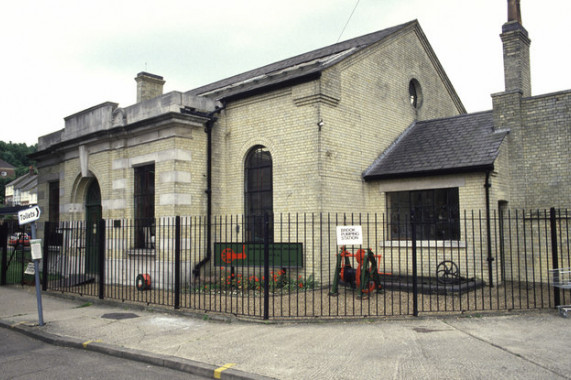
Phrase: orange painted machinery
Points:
(365, 277)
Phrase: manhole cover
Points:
(119, 316)
(425, 330)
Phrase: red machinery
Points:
(143, 282)
(366, 277)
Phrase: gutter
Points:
(208, 130)
(426, 173)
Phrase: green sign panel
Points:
(252, 254)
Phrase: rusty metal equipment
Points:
(366, 277)
(447, 272)
(143, 282)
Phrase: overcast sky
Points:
(60, 57)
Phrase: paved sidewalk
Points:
(530, 345)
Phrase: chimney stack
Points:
(514, 11)
(517, 72)
(148, 86)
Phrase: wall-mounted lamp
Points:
(320, 124)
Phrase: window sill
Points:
(423, 244)
(142, 252)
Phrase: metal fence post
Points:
(266, 267)
(45, 253)
(554, 252)
(414, 266)
(101, 256)
(177, 263)
(4, 247)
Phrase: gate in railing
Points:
(500, 263)
(14, 253)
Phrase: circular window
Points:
(415, 93)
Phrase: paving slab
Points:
(527, 345)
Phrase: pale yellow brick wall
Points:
(374, 110)
(538, 151)
(288, 132)
(364, 105)
(546, 141)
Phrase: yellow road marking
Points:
(21, 323)
(85, 344)
(218, 371)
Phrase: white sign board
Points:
(30, 269)
(36, 247)
(29, 215)
(349, 235)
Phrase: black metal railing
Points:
(14, 253)
(299, 271)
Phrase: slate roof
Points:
(298, 68)
(465, 143)
(24, 182)
(6, 165)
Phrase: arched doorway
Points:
(93, 214)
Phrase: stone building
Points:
(372, 124)
(314, 123)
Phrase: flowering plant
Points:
(230, 280)
(280, 281)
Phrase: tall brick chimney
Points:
(508, 105)
(516, 51)
(148, 86)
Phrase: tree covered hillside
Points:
(17, 155)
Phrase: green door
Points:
(93, 215)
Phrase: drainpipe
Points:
(208, 130)
(487, 186)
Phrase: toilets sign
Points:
(349, 235)
(29, 215)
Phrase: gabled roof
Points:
(465, 143)
(30, 185)
(6, 165)
(23, 182)
(298, 68)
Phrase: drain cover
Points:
(425, 330)
(119, 316)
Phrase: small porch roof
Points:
(465, 143)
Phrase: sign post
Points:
(30, 216)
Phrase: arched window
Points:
(415, 94)
(258, 193)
